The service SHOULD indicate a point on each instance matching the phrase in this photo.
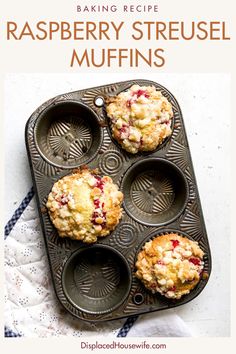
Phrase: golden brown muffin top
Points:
(170, 264)
(140, 118)
(85, 205)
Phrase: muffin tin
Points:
(97, 282)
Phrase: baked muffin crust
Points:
(85, 205)
(140, 118)
(170, 264)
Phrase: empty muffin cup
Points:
(96, 279)
(155, 191)
(67, 134)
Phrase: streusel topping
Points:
(140, 118)
(170, 264)
(85, 206)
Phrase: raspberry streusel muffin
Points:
(140, 118)
(85, 206)
(170, 264)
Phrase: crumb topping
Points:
(85, 206)
(140, 118)
(170, 264)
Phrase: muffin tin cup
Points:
(155, 191)
(97, 282)
(96, 279)
(68, 134)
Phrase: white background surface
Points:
(205, 101)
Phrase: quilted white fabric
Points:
(31, 307)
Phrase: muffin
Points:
(140, 118)
(85, 206)
(170, 265)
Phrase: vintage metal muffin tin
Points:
(97, 282)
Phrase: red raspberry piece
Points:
(104, 213)
(96, 203)
(98, 178)
(175, 243)
(123, 128)
(95, 215)
(63, 200)
(141, 93)
(100, 183)
(195, 261)
(172, 289)
(129, 103)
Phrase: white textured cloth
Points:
(160, 324)
(31, 306)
